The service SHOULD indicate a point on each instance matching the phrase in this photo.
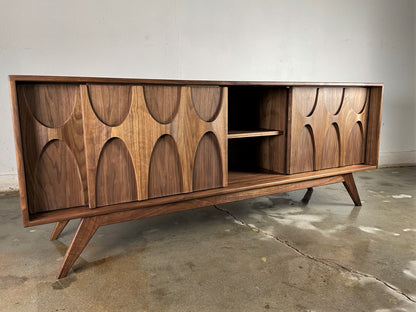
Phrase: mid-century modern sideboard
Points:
(109, 150)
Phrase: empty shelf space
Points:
(253, 134)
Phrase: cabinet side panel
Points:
(374, 125)
(19, 154)
(273, 108)
(52, 143)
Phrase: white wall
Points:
(298, 40)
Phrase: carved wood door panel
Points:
(162, 140)
(328, 127)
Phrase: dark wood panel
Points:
(358, 97)
(51, 104)
(162, 102)
(36, 135)
(111, 103)
(57, 180)
(207, 172)
(207, 101)
(116, 178)
(304, 158)
(331, 148)
(165, 170)
(355, 146)
(332, 98)
(305, 99)
(140, 132)
(374, 125)
(344, 107)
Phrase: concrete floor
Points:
(267, 254)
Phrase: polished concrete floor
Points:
(273, 253)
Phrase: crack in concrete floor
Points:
(324, 261)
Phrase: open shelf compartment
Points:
(257, 116)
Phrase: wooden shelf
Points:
(253, 134)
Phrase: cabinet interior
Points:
(257, 128)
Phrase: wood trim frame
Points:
(89, 225)
(233, 190)
(68, 79)
(237, 185)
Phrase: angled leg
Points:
(86, 229)
(307, 197)
(351, 188)
(59, 227)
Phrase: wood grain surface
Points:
(162, 102)
(207, 159)
(207, 101)
(54, 157)
(331, 149)
(141, 130)
(75, 136)
(165, 169)
(111, 103)
(339, 114)
(116, 178)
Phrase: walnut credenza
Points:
(109, 150)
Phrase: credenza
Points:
(109, 150)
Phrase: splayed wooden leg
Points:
(349, 184)
(86, 229)
(307, 197)
(59, 227)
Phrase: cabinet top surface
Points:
(73, 79)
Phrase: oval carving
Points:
(207, 101)
(331, 148)
(165, 171)
(332, 99)
(207, 164)
(357, 98)
(303, 155)
(111, 103)
(116, 178)
(57, 179)
(355, 146)
(50, 104)
(162, 102)
(305, 99)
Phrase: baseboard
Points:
(397, 159)
(8, 183)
